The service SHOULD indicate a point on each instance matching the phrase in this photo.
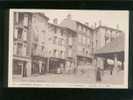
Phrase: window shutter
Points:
(25, 20)
(15, 33)
(24, 35)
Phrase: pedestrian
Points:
(98, 76)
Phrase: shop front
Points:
(82, 60)
(56, 65)
(39, 65)
(21, 67)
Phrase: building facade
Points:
(21, 44)
(41, 47)
(102, 37)
(83, 40)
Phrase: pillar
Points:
(115, 63)
(122, 65)
(47, 66)
(28, 68)
(40, 66)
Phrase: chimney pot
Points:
(55, 21)
(87, 24)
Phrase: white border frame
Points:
(61, 85)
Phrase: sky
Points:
(108, 18)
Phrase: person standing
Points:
(98, 75)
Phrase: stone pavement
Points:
(88, 77)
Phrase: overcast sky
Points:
(108, 18)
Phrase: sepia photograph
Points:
(58, 48)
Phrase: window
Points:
(55, 30)
(84, 39)
(70, 40)
(19, 49)
(61, 53)
(25, 34)
(20, 30)
(17, 68)
(96, 43)
(15, 33)
(16, 18)
(54, 53)
(61, 32)
(34, 49)
(80, 38)
(24, 50)
(14, 49)
(26, 20)
(83, 50)
(54, 39)
(70, 53)
(86, 52)
(20, 18)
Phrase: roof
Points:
(110, 28)
(117, 45)
(42, 14)
(55, 25)
(61, 27)
(83, 24)
(74, 22)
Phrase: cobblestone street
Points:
(89, 78)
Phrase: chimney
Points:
(87, 24)
(100, 23)
(69, 16)
(55, 21)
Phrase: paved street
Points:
(88, 77)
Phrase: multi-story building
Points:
(21, 43)
(57, 46)
(39, 41)
(61, 47)
(102, 36)
(40, 46)
(83, 41)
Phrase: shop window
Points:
(35, 68)
(17, 68)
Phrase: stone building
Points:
(83, 40)
(39, 41)
(103, 36)
(21, 43)
(41, 47)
